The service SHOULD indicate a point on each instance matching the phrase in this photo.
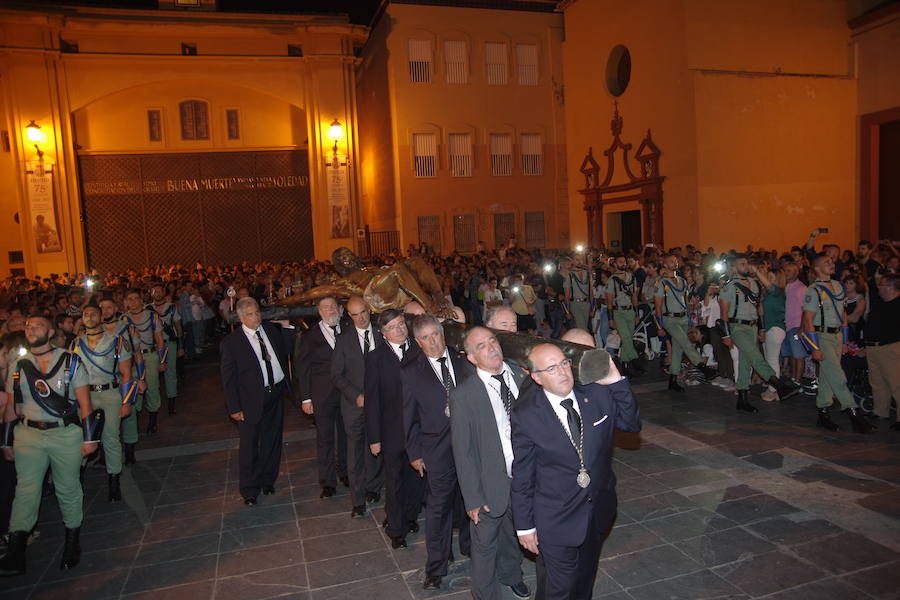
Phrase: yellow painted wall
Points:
(877, 48)
(476, 108)
(129, 61)
(750, 104)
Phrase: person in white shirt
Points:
(479, 424)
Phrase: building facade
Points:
(755, 108)
(137, 137)
(461, 126)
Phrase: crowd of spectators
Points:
(539, 285)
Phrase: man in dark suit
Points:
(482, 451)
(563, 487)
(348, 372)
(254, 364)
(427, 382)
(404, 488)
(321, 398)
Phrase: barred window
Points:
(532, 154)
(425, 154)
(460, 154)
(464, 233)
(534, 230)
(420, 65)
(495, 63)
(504, 228)
(501, 154)
(456, 63)
(430, 233)
(527, 64)
(194, 120)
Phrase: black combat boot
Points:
(783, 389)
(860, 425)
(151, 423)
(115, 492)
(129, 454)
(825, 421)
(72, 549)
(172, 406)
(743, 403)
(636, 369)
(673, 384)
(13, 562)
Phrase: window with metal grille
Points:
(464, 233)
(430, 233)
(154, 125)
(532, 154)
(420, 65)
(425, 154)
(194, 120)
(456, 63)
(527, 64)
(534, 230)
(233, 123)
(504, 228)
(460, 154)
(501, 154)
(495, 63)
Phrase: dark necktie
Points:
(270, 378)
(446, 379)
(402, 351)
(573, 418)
(366, 346)
(334, 330)
(505, 393)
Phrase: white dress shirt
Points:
(277, 373)
(396, 349)
(361, 334)
(500, 416)
(328, 333)
(436, 367)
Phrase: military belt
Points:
(106, 386)
(146, 350)
(828, 329)
(625, 308)
(743, 322)
(681, 314)
(42, 425)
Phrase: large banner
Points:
(213, 208)
(43, 213)
(338, 200)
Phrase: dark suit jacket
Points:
(384, 397)
(313, 367)
(544, 492)
(477, 452)
(424, 401)
(242, 376)
(348, 365)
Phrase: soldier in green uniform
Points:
(741, 325)
(114, 324)
(170, 318)
(824, 332)
(49, 424)
(107, 359)
(621, 301)
(145, 332)
(670, 300)
(576, 284)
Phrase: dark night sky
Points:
(360, 11)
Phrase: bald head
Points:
(358, 310)
(550, 369)
(579, 336)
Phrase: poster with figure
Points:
(338, 201)
(43, 213)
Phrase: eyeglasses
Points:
(553, 369)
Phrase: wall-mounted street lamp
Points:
(335, 134)
(35, 136)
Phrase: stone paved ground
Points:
(712, 505)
